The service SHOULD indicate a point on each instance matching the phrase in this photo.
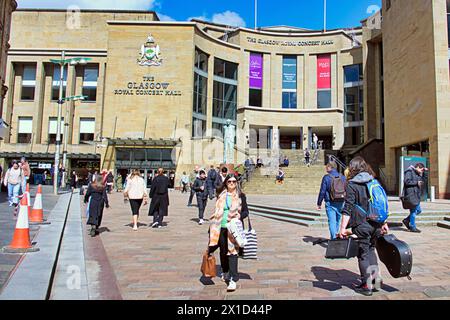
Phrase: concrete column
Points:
(267, 81)
(9, 100)
(300, 82)
(70, 91)
(276, 74)
(334, 80)
(39, 94)
(209, 104)
(305, 72)
(243, 77)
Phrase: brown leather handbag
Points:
(208, 268)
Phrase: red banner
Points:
(324, 71)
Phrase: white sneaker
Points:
(154, 224)
(201, 221)
(135, 228)
(231, 286)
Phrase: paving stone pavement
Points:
(165, 263)
(8, 224)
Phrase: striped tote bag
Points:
(251, 248)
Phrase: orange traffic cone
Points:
(21, 239)
(37, 214)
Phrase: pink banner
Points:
(324, 71)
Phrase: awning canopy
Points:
(47, 155)
(144, 142)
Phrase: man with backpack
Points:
(332, 190)
(365, 212)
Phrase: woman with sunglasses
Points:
(228, 206)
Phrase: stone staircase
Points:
(298, 179)
(310, 218)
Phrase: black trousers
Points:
(229, 263)
(368, 233)
(191, 196)
(201, 206)
(184, 188)
(158, 216)
(135, 206)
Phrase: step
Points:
(283, 214)
(444, 224)
(284, 219)
(447, 218)
(285, 209)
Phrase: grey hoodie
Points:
(362, 177)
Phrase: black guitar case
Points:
(396, 255)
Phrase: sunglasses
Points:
(231, 181)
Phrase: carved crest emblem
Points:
(150, 54)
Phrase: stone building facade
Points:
(161, 93)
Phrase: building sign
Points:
(256, 71)
(290, 73)
(290, 43)
(324, 71)
(150, 54)
(148, 86)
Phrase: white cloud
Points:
(203, 18)
(163, 17)
(229, 18)
(90, 4)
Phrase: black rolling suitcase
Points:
(396, 255)
(340, 248)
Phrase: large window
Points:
(289, 92)
(353, 105)
(87, 130)
(200, 94)
(25, 130)
(224, 95)
(154, 158)
(28, 82)
(255, 79)
(90, 79)
(56, 82)
(52, 130)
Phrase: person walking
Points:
(192, 178)
(367, 231)
(201, 191)
(159, 193)
(228, 206)
(136, 193)
(307, 157)
(219, 183)
(13, 181)
(332, 190)
(109, 181)
(119, 183)
(73, 180)
(26, 171)
(184, 182)
(97, 198)
(413, 184)
(210, 180)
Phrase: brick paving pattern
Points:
(164, 263)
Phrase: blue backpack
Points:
(378, 203)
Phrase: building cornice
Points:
(56, 52)
(273, 110)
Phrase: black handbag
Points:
(406, 202)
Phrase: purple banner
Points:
(256, 71)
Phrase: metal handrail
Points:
(342, 165)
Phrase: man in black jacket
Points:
(210, 180)
(218, 184)
(413, 183)
(201, 190)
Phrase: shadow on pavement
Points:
(139, 224)
(315, 240)
(103, 229)
(333, 280)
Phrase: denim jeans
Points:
(24, 184)
(13, 193)
(334, 217)
(412, 216)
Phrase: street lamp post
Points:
(62, 63)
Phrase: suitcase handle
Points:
(327, 240)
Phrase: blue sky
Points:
(300, 13)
